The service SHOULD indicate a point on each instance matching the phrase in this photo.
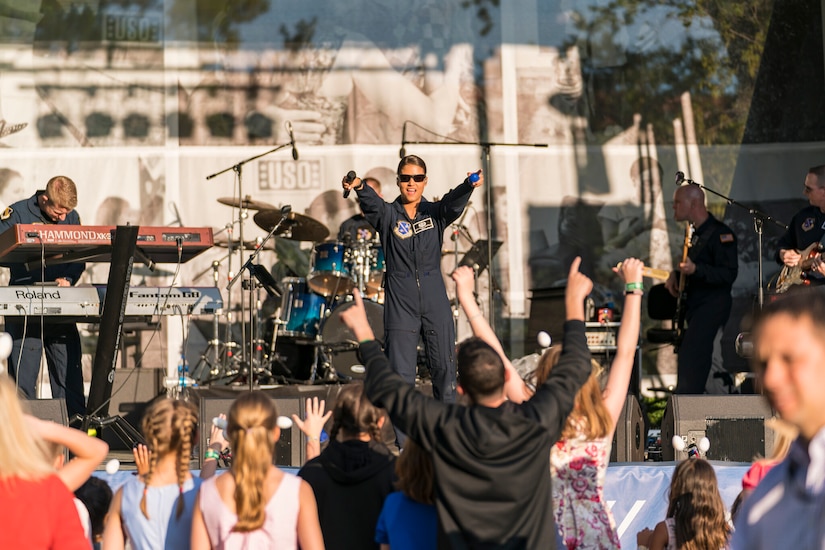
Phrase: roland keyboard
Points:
(85, 303)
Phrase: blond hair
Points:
(250, 427)
(62, 192)
(589, 417)
(169, 426)
(22, 455)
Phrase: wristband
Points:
(365, 340)
(633, 292)
(211, 453)
(314, 438)
(634, 286)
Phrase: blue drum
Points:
(301, 310)
(330, 272)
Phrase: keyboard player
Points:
(54, 205)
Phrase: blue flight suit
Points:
(61, 339)
(415, 301)
(708, 302)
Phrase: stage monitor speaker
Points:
(734, 425)
(290, 449)
(630, 436)
(49, 409)
(132, 391)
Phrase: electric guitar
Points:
(679, 315)
(797, 275)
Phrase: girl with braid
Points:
(154, 510)
(354, 474)
(256, 504)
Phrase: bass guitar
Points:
(797, 275)
(679, 315)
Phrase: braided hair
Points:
(169, 426)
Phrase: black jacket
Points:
(350, 480)
(492, 465)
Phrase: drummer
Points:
(357, 228)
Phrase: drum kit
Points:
(305, 339)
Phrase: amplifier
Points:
(601, 336)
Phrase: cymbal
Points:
(297, 227)
(247, 245)
(247, 203)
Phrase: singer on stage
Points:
(416, 304)
(54, 205)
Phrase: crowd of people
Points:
(514, 465)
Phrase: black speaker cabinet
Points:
(132, 390)
(290, 449)
(630, 436)
(49, 409)
(734, 425)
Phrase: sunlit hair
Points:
(22, 455)
(819, 172)
(589, 417)
(62, 192)
(170, 427)
(480, 369)
(354, 414)
(696, 507)
(414, 160)
(414, 469)
(250, 428)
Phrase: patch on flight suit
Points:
(423, 225)
(402, 229)
(808, 224)
(726, 237)
(6, 213)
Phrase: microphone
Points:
(680, 177)
(288, 125)
(286, 209)
(403, 152)
(350, 177)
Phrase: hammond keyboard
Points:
(59, 243)
(85, 303)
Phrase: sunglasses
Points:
(418, 178)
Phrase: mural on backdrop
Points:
(139, 101)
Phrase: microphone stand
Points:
(758, 221)
(238, 169)
(488, 183)
(248, 265)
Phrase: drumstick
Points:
(653, 273)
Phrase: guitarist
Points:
(807, 226)
(711, 267)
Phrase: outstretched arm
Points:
(615, 391)
(313, 425)
(464, 277)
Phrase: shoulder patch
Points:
(726, 237)
(6, 213)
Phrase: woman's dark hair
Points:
(411, 159)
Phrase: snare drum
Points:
(301, 310)
(330, 273)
